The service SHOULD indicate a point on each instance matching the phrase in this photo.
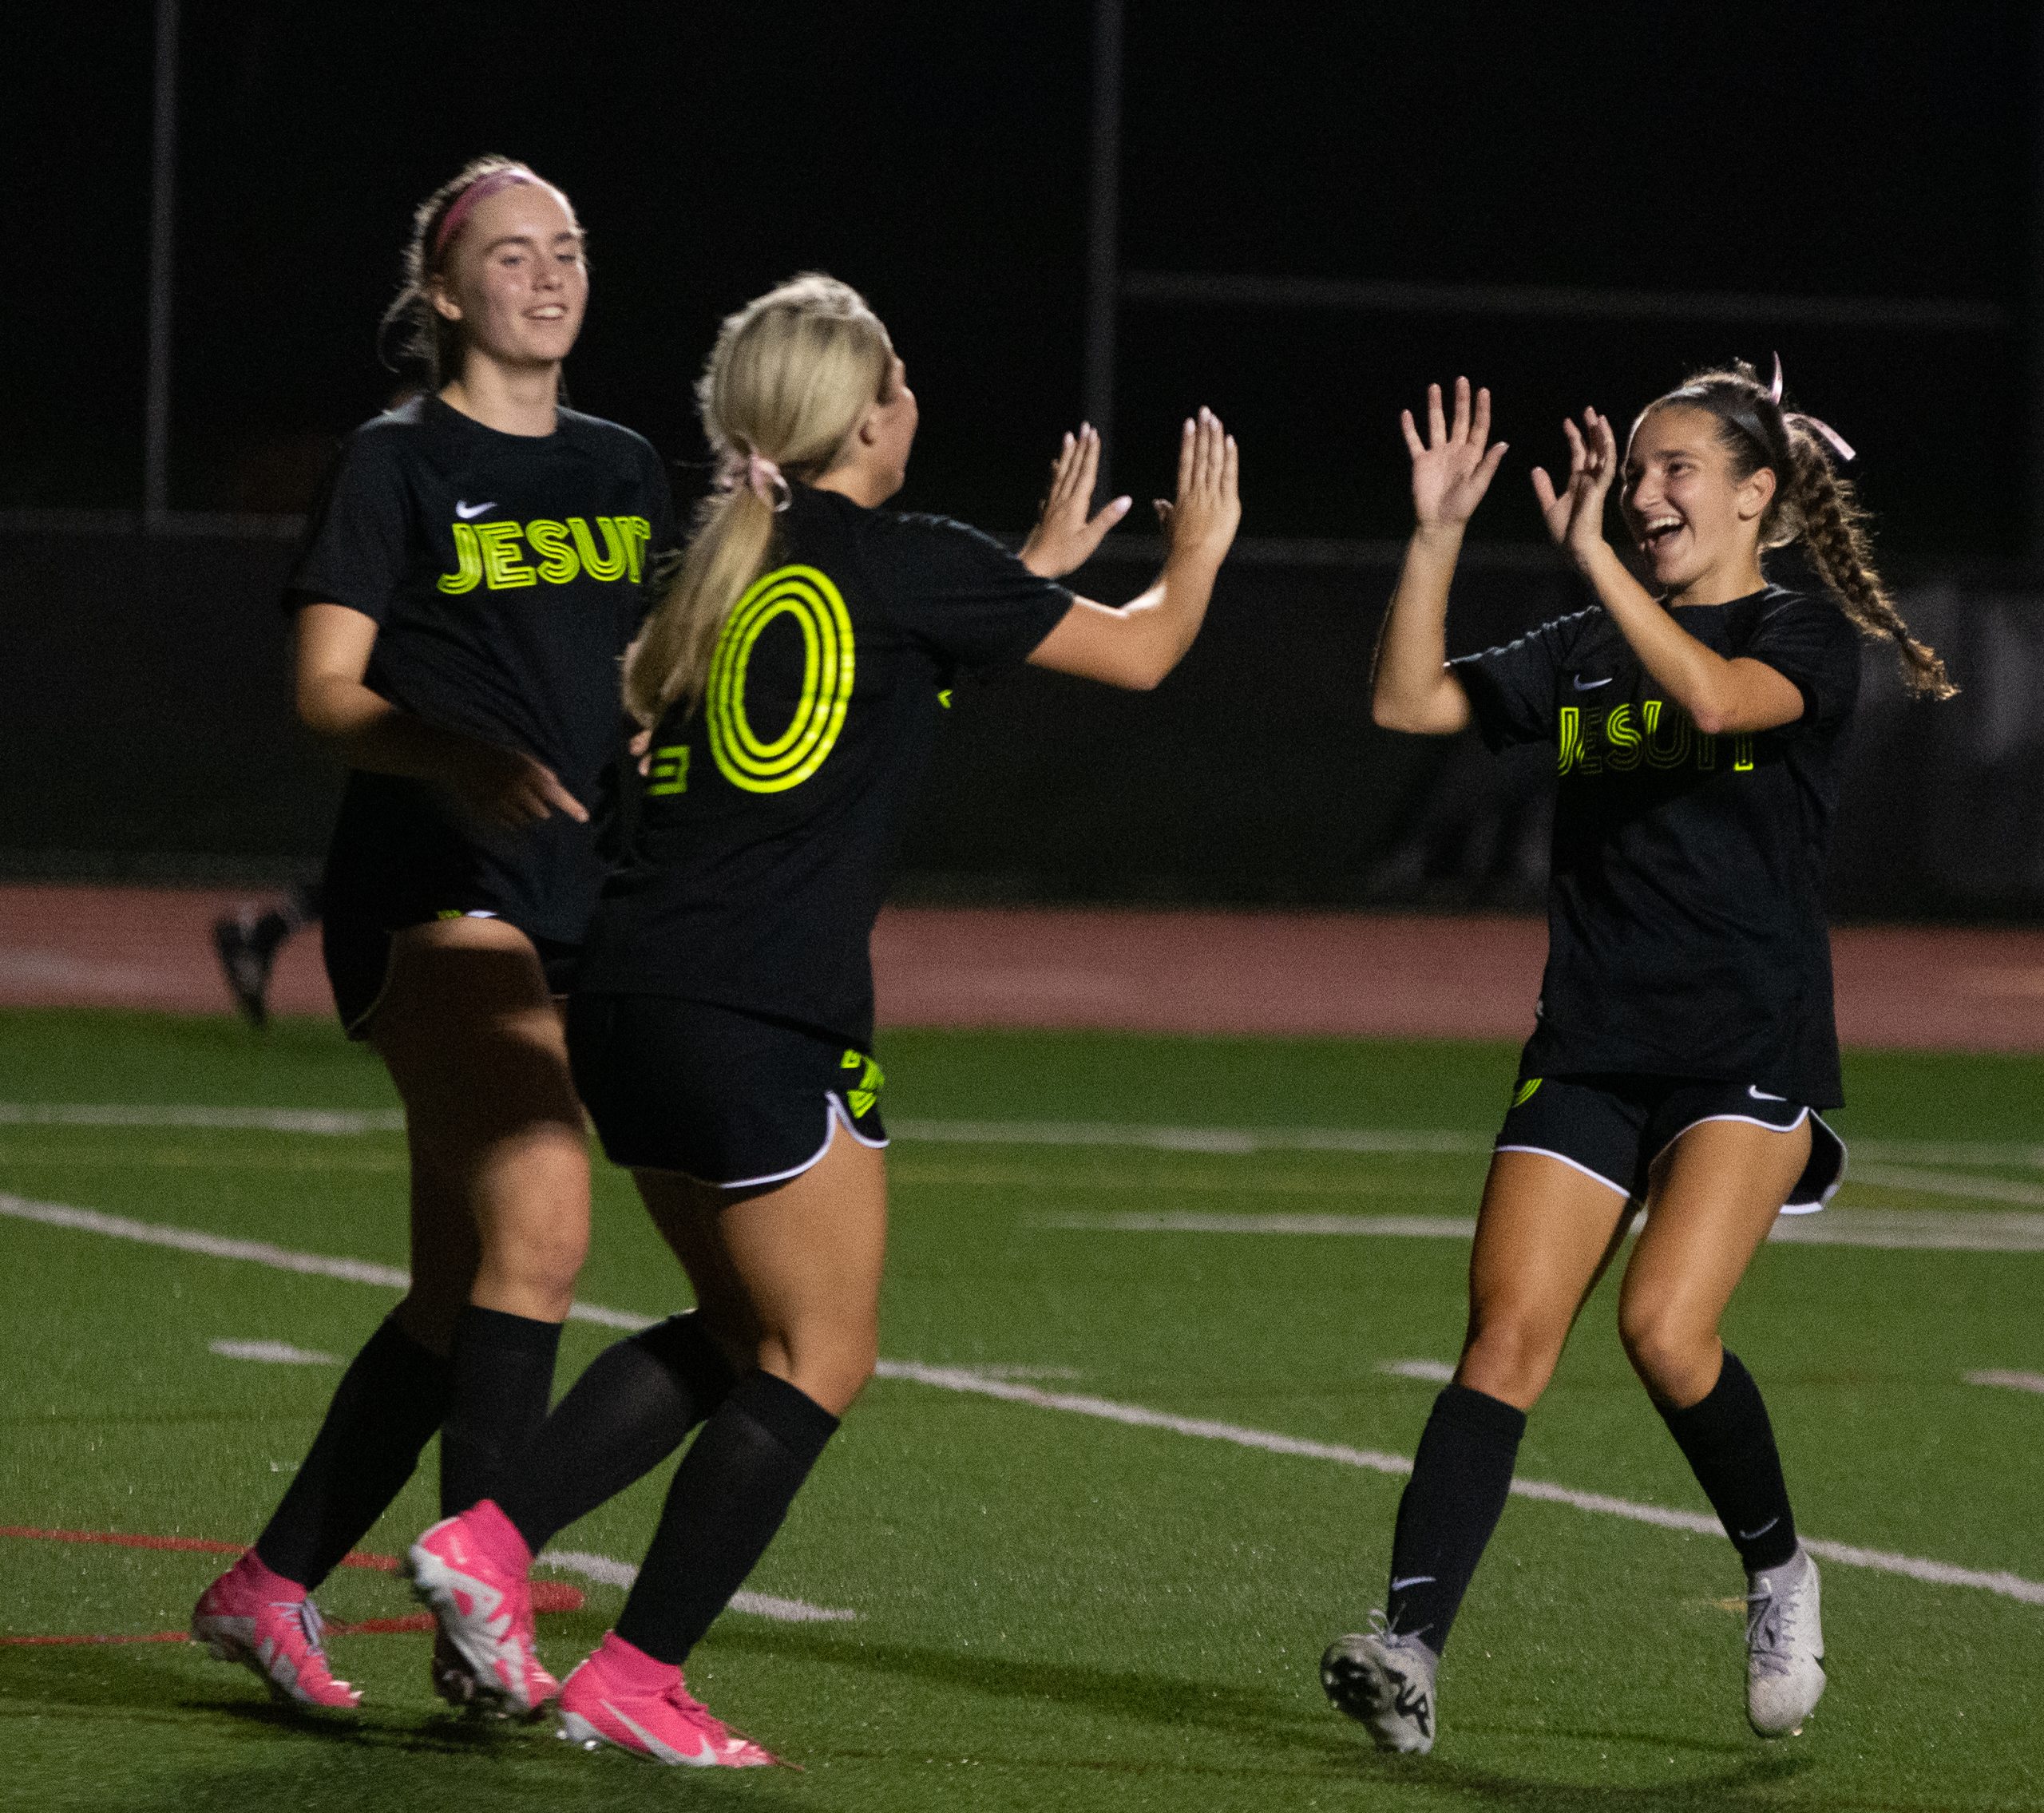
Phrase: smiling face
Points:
(515, 278)
(1696, 521)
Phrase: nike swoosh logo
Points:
(468, 513)
(1412, 1579)
(1582, 685)
(1760, 1094)
(1753, 1535)
(666, 1752)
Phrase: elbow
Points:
(1712, 719)
(1389, 713)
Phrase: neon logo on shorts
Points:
(743, 757)
(1524, 1093)
(871, 1080)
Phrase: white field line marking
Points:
(959, 1379)
(953, 1378)
(270, 1353)
(1889, 1229)
(1434, 1371)
(258, 1253)
(1948, 1183)
(606, 1572)
(2010, 1381)
(329, 1121)
(343, 1122)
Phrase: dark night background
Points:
(939, 158)
(936, 156)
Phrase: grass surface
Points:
(1054, 1611)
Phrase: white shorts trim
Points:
(1573, 1163)
(1810, 1115)
(834, 1116)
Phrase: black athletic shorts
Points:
(358, 954)
(723, 1097)
(1614, 1128)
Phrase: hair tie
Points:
(761, 477)
(1838, 442)
(512, 176)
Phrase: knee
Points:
(829, 1362)
(1511, 1356)
(1676, 1359)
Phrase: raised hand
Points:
(1065, 536)
(1575, 512)
(1202, 520)
(1451, 469)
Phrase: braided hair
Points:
(1812, 504)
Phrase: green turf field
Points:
(1055, 1609)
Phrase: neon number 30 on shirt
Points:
(743, 758)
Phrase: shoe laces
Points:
(1769, 1617)
(306, 1615)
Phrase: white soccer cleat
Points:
(1386, 1681)
(1784, 1646)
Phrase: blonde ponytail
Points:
(792, 374)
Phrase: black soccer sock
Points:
(1729, 1444)
(503, 1374)
(631, 1410)
(730, 1495)
(390, 1401)
(1460, 1478)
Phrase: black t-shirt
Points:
(1686, 933)
(504, 574)
(770, 815)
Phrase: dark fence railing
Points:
(146, 734)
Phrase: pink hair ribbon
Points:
(1838, 442)
(761, 477)
(511, 176)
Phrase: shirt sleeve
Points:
(1811, 642)
(357, 538)
(1512, 688)
(965, 598)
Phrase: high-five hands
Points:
(1575, 513)
(1065, 536)
(1208, 510)
(1451, 469)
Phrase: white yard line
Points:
(2008, 1381)
(979, 1384)
(1226, 1140)
(327, 1121)
(270, 1353)
(1433, 1371)
(606, 1572)
(1888, 1230)
(955, 1378)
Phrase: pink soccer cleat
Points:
(621, 1695)
(256, 1617)
(470, 1570)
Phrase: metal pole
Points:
(2033, 303)
(1104, 230)
(163, 218)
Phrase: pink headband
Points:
(762, 477)
(1837, 440)
(466, 202)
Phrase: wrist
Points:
(1438, 538)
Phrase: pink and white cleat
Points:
(470, 1570)
(621, 1695)
(255, 1616)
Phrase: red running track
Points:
(1333, 973)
